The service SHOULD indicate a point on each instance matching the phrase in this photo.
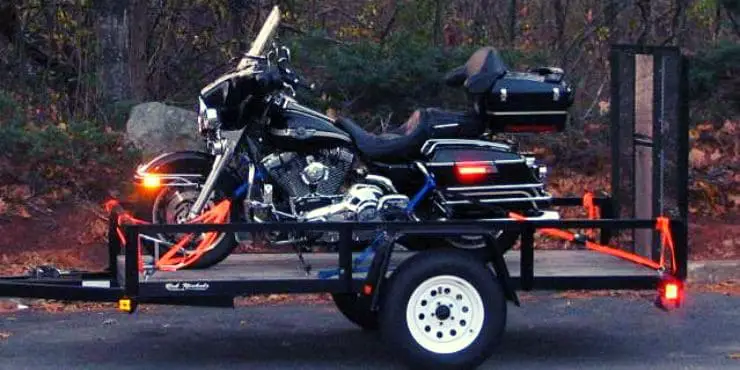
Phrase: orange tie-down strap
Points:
(171, 261)
(662, 225)
(592, 211)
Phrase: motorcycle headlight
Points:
(207, 119)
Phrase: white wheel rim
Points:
(445, 330)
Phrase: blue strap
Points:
(328, 273)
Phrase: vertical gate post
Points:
(649, 136)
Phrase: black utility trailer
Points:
(447, 307)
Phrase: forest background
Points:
(71, 71)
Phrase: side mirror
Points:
(283, 54)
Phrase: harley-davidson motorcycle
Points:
(278, 160)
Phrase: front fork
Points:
(224, 150)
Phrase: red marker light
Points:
(671, 292)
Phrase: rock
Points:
(155, 128)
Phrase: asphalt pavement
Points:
(546, 333)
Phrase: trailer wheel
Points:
(356, 310)
(443, 309)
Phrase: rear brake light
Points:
(467, 172)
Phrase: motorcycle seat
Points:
(405, 141)
(400, 144)
(479, 73)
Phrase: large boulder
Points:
(155, 128)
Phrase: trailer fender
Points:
(501, 270)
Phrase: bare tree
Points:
(112, 30)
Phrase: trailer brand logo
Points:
(181, 287)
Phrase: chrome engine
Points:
(313, 185)
(363, 202)
(296, 174)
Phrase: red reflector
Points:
(671, 291)
(367, 289)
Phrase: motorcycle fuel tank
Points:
(299, 127)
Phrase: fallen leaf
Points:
(3, 207)
(697, 158)
(23, 212)
(715, 156)
(734, 356)
(5, 335)
(729, 127)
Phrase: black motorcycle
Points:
(278, 160)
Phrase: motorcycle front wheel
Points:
(171, 206)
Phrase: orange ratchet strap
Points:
(592, 211)
(168, 261)
(662, 225)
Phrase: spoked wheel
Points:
(443, 309)
(171, 206)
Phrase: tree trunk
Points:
(512, 22)
(560, 17)
(112, 31)
(139, 36)
(437, 31)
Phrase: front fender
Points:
(173, 167)
(184, 162)
(192, 165)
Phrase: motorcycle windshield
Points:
(263, 37)
(258, 48)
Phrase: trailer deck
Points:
(550, 264)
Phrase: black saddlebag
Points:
(534, 101)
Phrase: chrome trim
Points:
(555, 94)
(383, 181)
(528, 113)
(528, 198)
(309, 133)
(431, 144)
(500, 161)
(499, 200)
(546, 215)
(446, 125)
(495, 187)
(290, 103)
(504, 95)
(250, 180)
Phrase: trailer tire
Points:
(443, 309)
(357, 310)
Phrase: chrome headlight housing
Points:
(208, 121)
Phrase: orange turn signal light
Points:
(151, 181)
